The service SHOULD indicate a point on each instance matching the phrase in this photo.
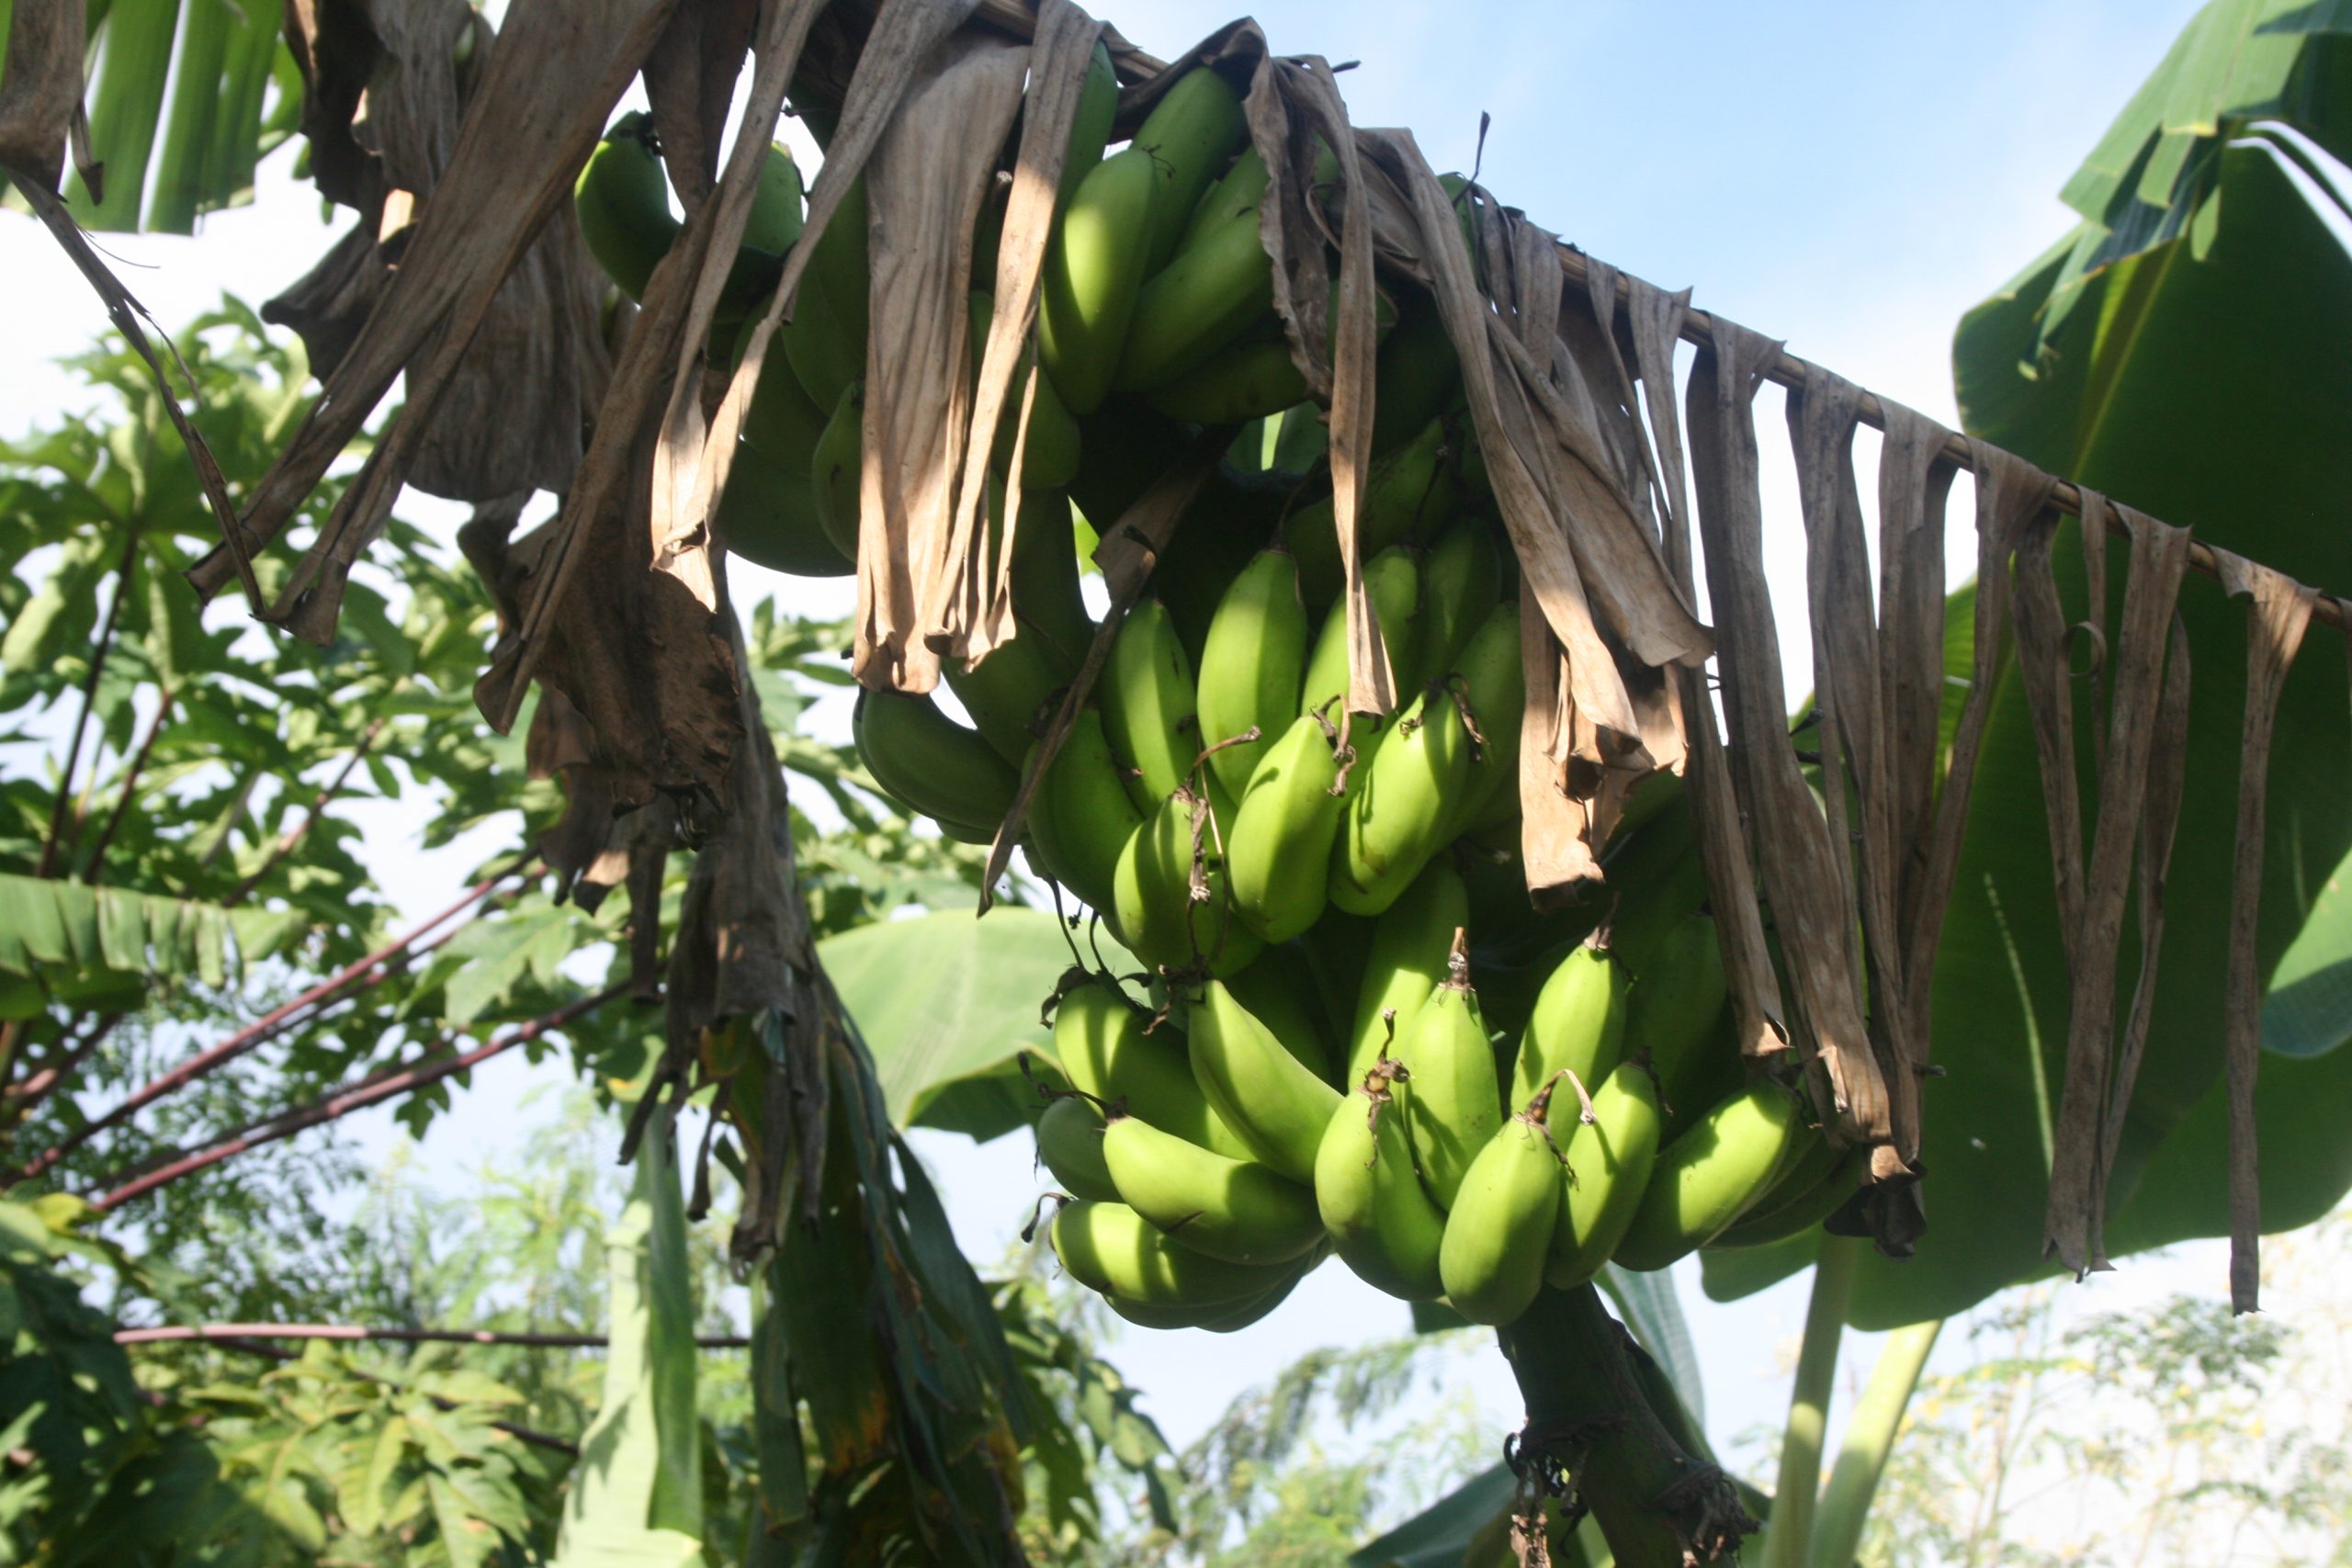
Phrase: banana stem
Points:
(1861, 1459)
(1788, 1532)
(1659, 1505)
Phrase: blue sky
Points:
(1849, 177)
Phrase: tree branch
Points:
(292, 838)
(52, 839)
(129, 786)
(219, 1331)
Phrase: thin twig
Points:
(130, 785)
(217, 1331)
(35, 1089)
(292, 838)
(52, 839)
(369, 1091)
(252, 1034)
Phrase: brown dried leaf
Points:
(40, 89)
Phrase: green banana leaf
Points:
(2308, 1009)
(946, 1003)
(2172, 352)
(60, 931)
(636, 1497)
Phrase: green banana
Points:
(767, 514)
(1236, 1210)
(1149, 703)
(1817, 1195)
(1392, 582)
(1108, 1247)
(1277, 988)
(1216, 290)
(1335, 948)
(1491, 1260)
(836, 469)
(1380, 1220)
(1706, 1179)
(1418, 376)
(1189, 136)
(1407, 961)
(1090, 131)
(1461, 581)
(1245, 381)
(1673, 1012)
(1070, 1145)
(1240, 192)
(781, 421)
(1005, 692)
(1403, 809)
(1276, 1103)
(825, 338)
(773, 225)
(1610, 1159)
(1225, 1317)
(1453, 1103)
(1301, 439)
(622, 198)
(1093, 269)
(1251, 665)
(1100, 1042)
(930, 763)
(1051, 459)
(1080, 816)
(1152, 906)
(1047, 597)
(1277, 851)
(1408, 493)
(1500, 706)
(1578, 1025)
(1220, 534)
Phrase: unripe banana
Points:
(1408, 493)
(1152, 902)
(1277, 1104)
(1498, 703)
(1080, 817)
(1409, 948)
(825, 338)
(1578, 1025)
(1149, 703)
(1089, 129)
(1610, 1159)
(1236, 1210)
(836, 467)
(1052, 458)
(1491, 1260)
(930, 763)
(1100, 1042)
(1392, 580)
(782, 422)
(1251, 666)
(1005, 692)
(1245, 381)
(1110, 1248)
(1093, 269)
(768, 516)
(1214, 292)
(773, 225)
(1048, 601)
(1461, 585)
(1223, 1317)
(1673, 1012)
(1453, 1103)
(1277, 988)
(1238, 193)
(623, 201)
(1817, 1196)
(1298, 440)
(1710, 1176)
(1404, 809)
(1070, 1145)
(1418, 376)
(1277, 851)
(1336, 948)
(1190, 136)
(1380, 1220)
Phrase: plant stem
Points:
(52, 839)
(1788, 1532)
(1869, 1435)
(1659, 1506)
(137, 765)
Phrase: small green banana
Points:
(1674, 1011)
(1080, 817)
(1407, 961)
(836, 469)
(1052, 458)
(623, 201)
(1149, 703)
(1093, 269)
(930, 763)
(1392, 582)
(1453, 1103)
(1608, 1168)
(1380, 1219)
(1816, 1195)
(1491, 1260)
(1251, 666)
(1236, 1210)
(825, 339)
(1578, 1024)
(1240, 192)
(1244, 381)
(1418, 376)
(1108, 1247)
(1706, 1179)
(1275, 1102)
(1277, 988)
(781, 421)
(1069, 1145)
(1461, 585)
(1189, 136)
(1100, 1042)
(1152, 896)
(1006, 692)
(1223, 1317)
(1277, 851)
(768, 516)
(1089, 128)
(1409, 493)
(1212, 293)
